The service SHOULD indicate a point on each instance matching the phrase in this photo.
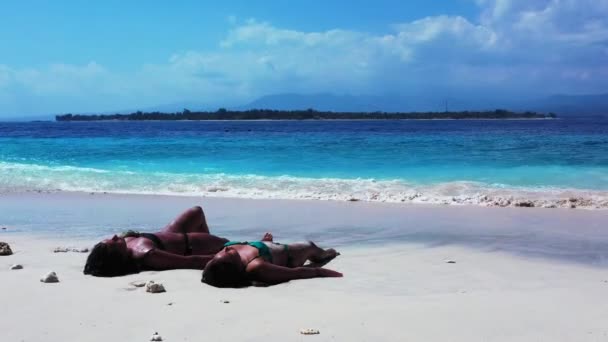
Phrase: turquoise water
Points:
(396, 161)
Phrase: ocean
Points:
(548, 163)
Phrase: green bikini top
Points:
(263, 250)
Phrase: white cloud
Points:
(64, 78)
(561, 21)
(458, 28)
(254, 32)
(517, 46)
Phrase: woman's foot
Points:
(323, 258)
(268, 237)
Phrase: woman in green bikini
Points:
(240, 264)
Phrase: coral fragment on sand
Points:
(309, 331)
(70, 249)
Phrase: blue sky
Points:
(69, 56)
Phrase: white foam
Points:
(24, 177)
(35, 167)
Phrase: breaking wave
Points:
(16, 177)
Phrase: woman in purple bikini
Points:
(184, 243)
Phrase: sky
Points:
(79, 57)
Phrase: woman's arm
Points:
(266, 272)
(161, 260)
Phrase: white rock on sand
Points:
(50, 277)
(5, 249)
(153, 287)
(156, 337)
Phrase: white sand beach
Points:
(520, 274)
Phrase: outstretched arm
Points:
(266, 272)
(161, 260)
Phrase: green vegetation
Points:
(309, 114)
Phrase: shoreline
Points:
(510, 266)
(490, 198)
(561, 234)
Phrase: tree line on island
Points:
(308, 114)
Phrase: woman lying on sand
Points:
(240, 264)
(184, 243)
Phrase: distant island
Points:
(308, 114)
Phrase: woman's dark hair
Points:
(102, 263)
(220, 273)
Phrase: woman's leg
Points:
(299, 253)
(190, 221)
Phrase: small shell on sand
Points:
(153, 287)
(50, 277)
(16, 267)
(138, 283)
(156, 337)
(309, 331)
(450, 261)
(224, 301)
